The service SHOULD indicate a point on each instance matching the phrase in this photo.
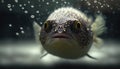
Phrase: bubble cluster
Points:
(40, 8)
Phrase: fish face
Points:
(66, 38)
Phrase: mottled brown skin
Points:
(66, 37)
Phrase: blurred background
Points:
(17, 42)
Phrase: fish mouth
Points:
(64, 36)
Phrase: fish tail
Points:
(98, 28)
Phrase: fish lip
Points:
(61, 35)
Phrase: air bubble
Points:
(32, 6)
(47, 3)
(53, 0)
(40, 22)
(32, 16)
(22, 32)
(16, 1)
(2, 1)
(21, 28)
(25, 11)
(13, 5)
(20, 5)
(95, 1)
(108, 5)
(65, 2)
(10, 25)
(102, 6)
(98, 11)
(24, 4)
(10, 9)
(37, 11)
(88, 3)
(23, 8)
(9, 5)
(28, 2)
(57, 2)
(17, 33)
(42, 0)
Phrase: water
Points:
(17, 17)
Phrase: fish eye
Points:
(47, 26)
(77, 25)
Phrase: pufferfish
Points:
(69, 33)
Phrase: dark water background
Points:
(17, 16)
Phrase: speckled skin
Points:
(62, 21)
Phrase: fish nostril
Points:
(60, 30)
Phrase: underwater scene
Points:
(56, 33)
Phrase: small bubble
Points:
(9, 5)
(21, 28)
(10, 9)
(42, 0)
(40, 22)
(20, 5)
(17, 33)
(57, 2)
(47, 3)
(13, 5)
(10, 25)
(98, 11)
(22, 32)
(16, 1)
(2, 1)
(88, 3)
(97, 7)
(24, 4)
(68, 2)
(32, 16)
(37, 11)
(23, 8)
(32, 6)
(95, 1)
(102, 6)
(111, 8)
(99, 3)
(53, 0)
(65, 2)
(108, 5)
(28, 2)
(25, 11)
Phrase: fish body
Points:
(67, 33)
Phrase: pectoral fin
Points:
(90, 56)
